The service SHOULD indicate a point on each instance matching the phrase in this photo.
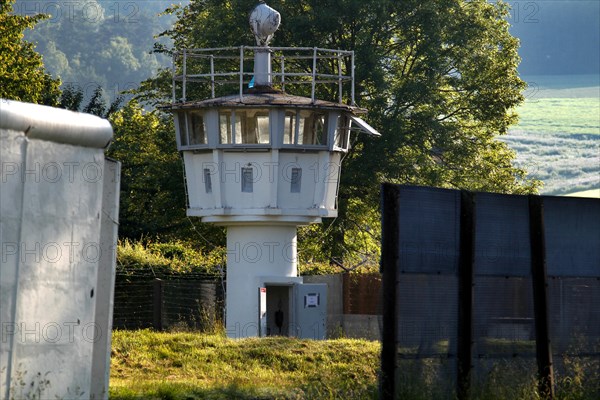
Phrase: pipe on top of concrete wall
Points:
(54, 124)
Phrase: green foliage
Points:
(151, 365)
(22, 74)
(71, 98)
(152, 191)
(346, 244)
(153, 199)
(168, 258)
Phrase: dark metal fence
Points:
(196, 301)
(483, 291)
(186, 302)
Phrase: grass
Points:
(190, 366)
(560, 115)
(558, 137)
(150, 365)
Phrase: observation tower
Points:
(261, 162)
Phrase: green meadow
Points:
(578, 116)
(147, 365)
(557, 139)
(188, 366)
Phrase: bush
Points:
(174, 258)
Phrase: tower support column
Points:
(262, 67)
(255, 253)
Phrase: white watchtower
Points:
(261, 162)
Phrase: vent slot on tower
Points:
(207, 181)
(247, 180)
(296, 181)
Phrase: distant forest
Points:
(92, 43)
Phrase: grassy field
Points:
(188, 366)
(561, 115)
(558, 137)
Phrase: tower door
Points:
(311, 310)
(279, 313)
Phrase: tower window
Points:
(247, 180)
(225, 135)
(290, 132)
(313, 129)
(296, 181)
(342, 132)
(305, 127)
(198, 131)
(181, 119)
(244, 127)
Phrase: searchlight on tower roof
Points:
(264, 22)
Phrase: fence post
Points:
(390, 256)
(464, 345)
(540, 297)
(157, 304)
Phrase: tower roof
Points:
(266, 100)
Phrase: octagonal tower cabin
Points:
(262, 161)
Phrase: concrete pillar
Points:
(262, 67)
(253, 252)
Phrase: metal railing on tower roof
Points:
(215, 68)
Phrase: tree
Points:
(439, 78)
(71, 98)
(22, 74)
(152, 203)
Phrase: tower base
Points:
(256, 254)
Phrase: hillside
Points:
(99, 43)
